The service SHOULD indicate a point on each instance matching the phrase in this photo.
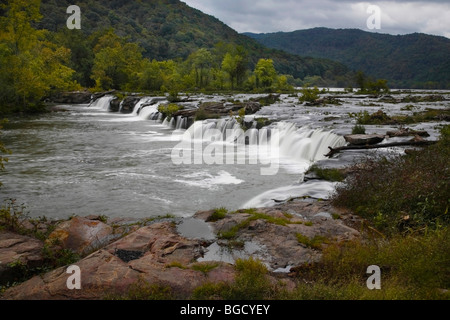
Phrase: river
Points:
(85, 160)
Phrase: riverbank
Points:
(300, 248)
(167, 252)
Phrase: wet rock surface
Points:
(159, 255)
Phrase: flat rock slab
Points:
(159, 255)
(19, 249)
(364, 139)
(165, 258)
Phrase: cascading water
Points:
(302, 144)
(103, 103)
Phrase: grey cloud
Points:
(398, 17)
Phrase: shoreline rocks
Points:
(158, 255)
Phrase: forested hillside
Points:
(406, 61)
(169, 29)
(138, 46)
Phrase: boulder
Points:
(128, 104)
(364, 139)
(82, 235)
(18, 251)
(114, 105)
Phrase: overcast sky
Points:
(397, 17)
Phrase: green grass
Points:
(251, 283)
(218, 214)
(205, 267)
(254, 215)
(142, 290)
(313, 243)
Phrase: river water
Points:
(87, 160)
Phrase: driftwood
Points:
(334, 151)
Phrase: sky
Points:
(265, 16)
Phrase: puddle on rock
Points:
(195, 229)
(217, 252)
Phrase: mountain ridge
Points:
(413, 60)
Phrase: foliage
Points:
(404, 193)
(359, 129)
(12, 216)
(309, 94)
(413, 267)
(116, 62)
(265, 73)
(32, 66)
(314, 243)
(143, 290)
(169, 110)
(218, 214)
(405, 61)
(171, 30)
(329, 174)
(251, 283)
(205, 267)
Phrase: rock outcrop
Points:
(78, 97)
(82, 235)
(158, 255)
(18, 251)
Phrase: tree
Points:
(32, 67)
(361, 80)
(265, 73)
(201, 62)
(117, 62)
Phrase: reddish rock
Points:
(20, 249)
(82, 235)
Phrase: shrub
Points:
(359, 129)
(251, 283)
(404, 193)
(169, 110)
(309, 94)
(330, 174)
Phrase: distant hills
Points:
(169, 29)
(406, 61)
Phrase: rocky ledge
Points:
(120, 253)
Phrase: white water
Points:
(91, 161)
(102, 103)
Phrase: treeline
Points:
(38, 63)
(119, 64)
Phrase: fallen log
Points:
(334, 151)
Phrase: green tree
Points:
(32, 67)
(201, 62)
(265, 73)
(117, 63)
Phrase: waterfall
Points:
(303, 144)
(102, 103)
(148, 112)
(138, 106)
